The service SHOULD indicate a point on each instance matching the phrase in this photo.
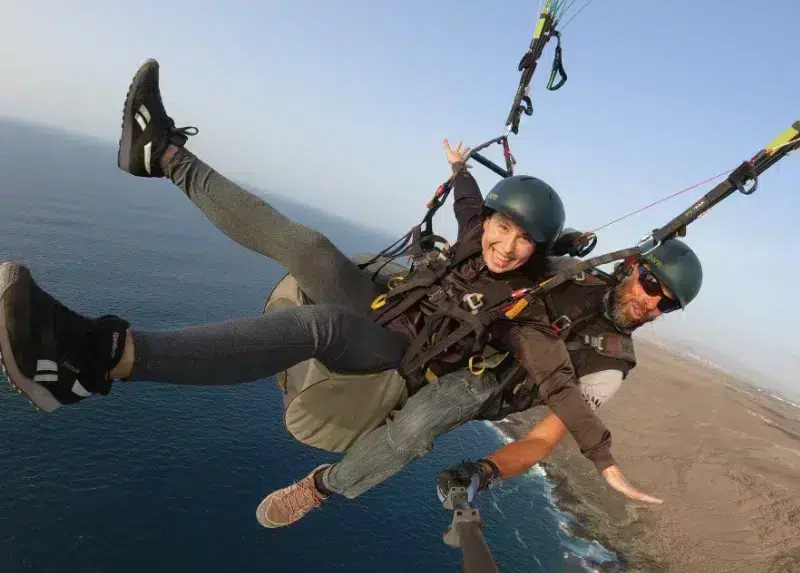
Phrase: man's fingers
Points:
(616, 480)
(466, 151)
(634, 493)
(651, 499)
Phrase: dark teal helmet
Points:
(678, 267)
(530, 203)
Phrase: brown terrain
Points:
(724, 457)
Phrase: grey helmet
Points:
(532, 204)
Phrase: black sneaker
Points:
(147, 130)
(52, 354)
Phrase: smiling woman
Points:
(506, 245)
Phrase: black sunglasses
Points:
(653, 287)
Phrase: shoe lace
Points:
(188, 130)
(298, 496)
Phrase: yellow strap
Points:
(539, 27)
(517, 308)
(378, 302)
(477, 372)
(540, 23)
(784, 138)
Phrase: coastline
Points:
(724, 456)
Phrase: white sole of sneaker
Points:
(261, 513)
(37, 394)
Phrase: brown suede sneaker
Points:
(289, 504)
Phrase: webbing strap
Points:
(470, 323)
(558, 66)
(523, 299)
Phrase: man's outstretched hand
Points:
(615, 479)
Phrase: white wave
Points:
(519, 537)
(784, 400)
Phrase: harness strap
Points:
(609, 344)
(421, 280)
(469, 323)
(381, 317)
(565, 324)
(522, 298)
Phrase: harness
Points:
(456, 311)
(579, 327)
(585, 329)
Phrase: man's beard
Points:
(619, 312)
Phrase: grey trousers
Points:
(436, 409)
(335, 331)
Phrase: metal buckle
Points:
(436, 294)
(474, 301)
(563, 322)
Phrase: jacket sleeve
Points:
(545, 357)
(467, 200)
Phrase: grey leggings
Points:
(335, 330)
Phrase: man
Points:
(594, 314)
(667, 278)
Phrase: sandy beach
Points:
(724, 457)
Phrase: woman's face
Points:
(506, 246)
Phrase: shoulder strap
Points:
(566, 323)
(465, 248)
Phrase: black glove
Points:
(472, 475)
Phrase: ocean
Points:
(160, 477)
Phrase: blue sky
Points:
(344, 105)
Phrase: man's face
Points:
(506, 246)
(638, 296)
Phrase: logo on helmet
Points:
(652, 259)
